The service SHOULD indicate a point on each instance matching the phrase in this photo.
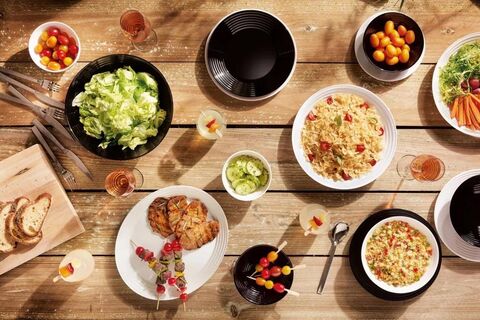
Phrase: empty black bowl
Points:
(398, 18)
(112, 63)
(464, 211)
(245, 266)
(250, 55)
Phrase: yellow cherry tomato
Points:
(394, 34)
(286, 270)
(67, 61)
(410, 37)
(389, 27)
(385, 42)
(391, 61)
(272, 256)
(378, 55)
(52, 65)
(391, 51)
(269, 284)
(380, 35)
(406, 46)
(374, 41)
(55, 55)
(404, 56)
(51, 42)
(63, 48)
(44, 60)
(399, 50)
(402, 30)
(38, 48)
(44, 36)
(398, 42)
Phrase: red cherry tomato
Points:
(311, 157)
(347, 117)
(184, 297)
(72, 41)
(311, 116)
(279, 287)
(265, 274)
(61, 55)
(139, 251)
(264, 262)
(172, 281)
(167, 247)
(275, 271)
(360, 148)
(46, 53)
(73, 49)
(52, 31)
(325, 146)
(63, 40)
(373, 162)
(345, 176)
(329, 100)
(160, 289)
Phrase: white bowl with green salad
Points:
(246, 175)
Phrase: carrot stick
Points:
(466, 106)
(474, 110)
(461, 113)
(476, 99)
(475, 124)
(454, 111)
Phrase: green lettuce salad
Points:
(120, 108)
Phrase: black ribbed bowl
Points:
(398, 18)
(111, 63)
(245, 266)
(250, 55)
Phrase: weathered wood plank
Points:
(31, 295)
(410, 101)
(323, 30)
(185, 158)
(271, 219)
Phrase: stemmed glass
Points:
(122, 182)
(138, 29)
(423, 167)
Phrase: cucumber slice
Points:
(237, 182)
(245, 187)
(253, 169)
(263, 178)
(255, 180)
(234, 173)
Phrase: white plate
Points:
(432, 267)
(200, 264)
(371, 69)
(390, 136)
(443, 223)
(441, 106)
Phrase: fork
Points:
(52, 111)
(45, 84)
(66, 174)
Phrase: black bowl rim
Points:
(168, 119)
(355, 254)
(244, 98)
(380, 14)
(246, 251)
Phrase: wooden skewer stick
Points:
(252, 278)
(184, 307)
(280, 248)
(300, 266)
(133, 244)
(293, 293)
(308, 231)
(158, 301)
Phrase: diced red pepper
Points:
(317, 221)
(346, 176)
(385, 251)
(325, 146)
(70, 268)
(382, 131)
(365, 105)
(373, 162)
(311, 157)
(329, 100)
(311, 116)
(347, 117)
(211, 122)
(415, 270)
(360, 148)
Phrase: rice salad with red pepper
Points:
(342, 137)
(398, 254)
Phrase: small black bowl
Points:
(398, 18)
(245, 266)
(464, 211)
(250, 55)
(112, 63)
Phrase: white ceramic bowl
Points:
(432, 267)
(390, 136)
(441, 106)
(34, 39)
(259, 192)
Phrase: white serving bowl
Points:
(259, 192)
(390, 136)
(34, 39)
(432, 267)
(442, 106)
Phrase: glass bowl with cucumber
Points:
(246, 175)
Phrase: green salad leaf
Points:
(121, 108)
(461, 66)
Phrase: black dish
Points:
(111, 63)
(465, 211)
(245, 266)
(250, 55)
(377, 24)
(356, 259)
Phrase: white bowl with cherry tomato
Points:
(54, 47)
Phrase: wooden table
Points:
(324, 32)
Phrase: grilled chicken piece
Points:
(158, 217)
(199, 234)
(195, 213)
(176, 209)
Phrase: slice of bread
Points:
(7, 243)
(20, 203)
(17, 234)
(30, 218)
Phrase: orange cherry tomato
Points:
(385, 42)
(391, 51)
(398, 42)
(406, 46)
(391, 61)
(378, 55)
(394, 34)
(402, 30)
(380, 35)
(389, 27)
(404, 56)
(374, 40)
(51, 42)
(399, 50)
(410, 37)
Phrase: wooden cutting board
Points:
(29, 173)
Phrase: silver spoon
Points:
(339, 232)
